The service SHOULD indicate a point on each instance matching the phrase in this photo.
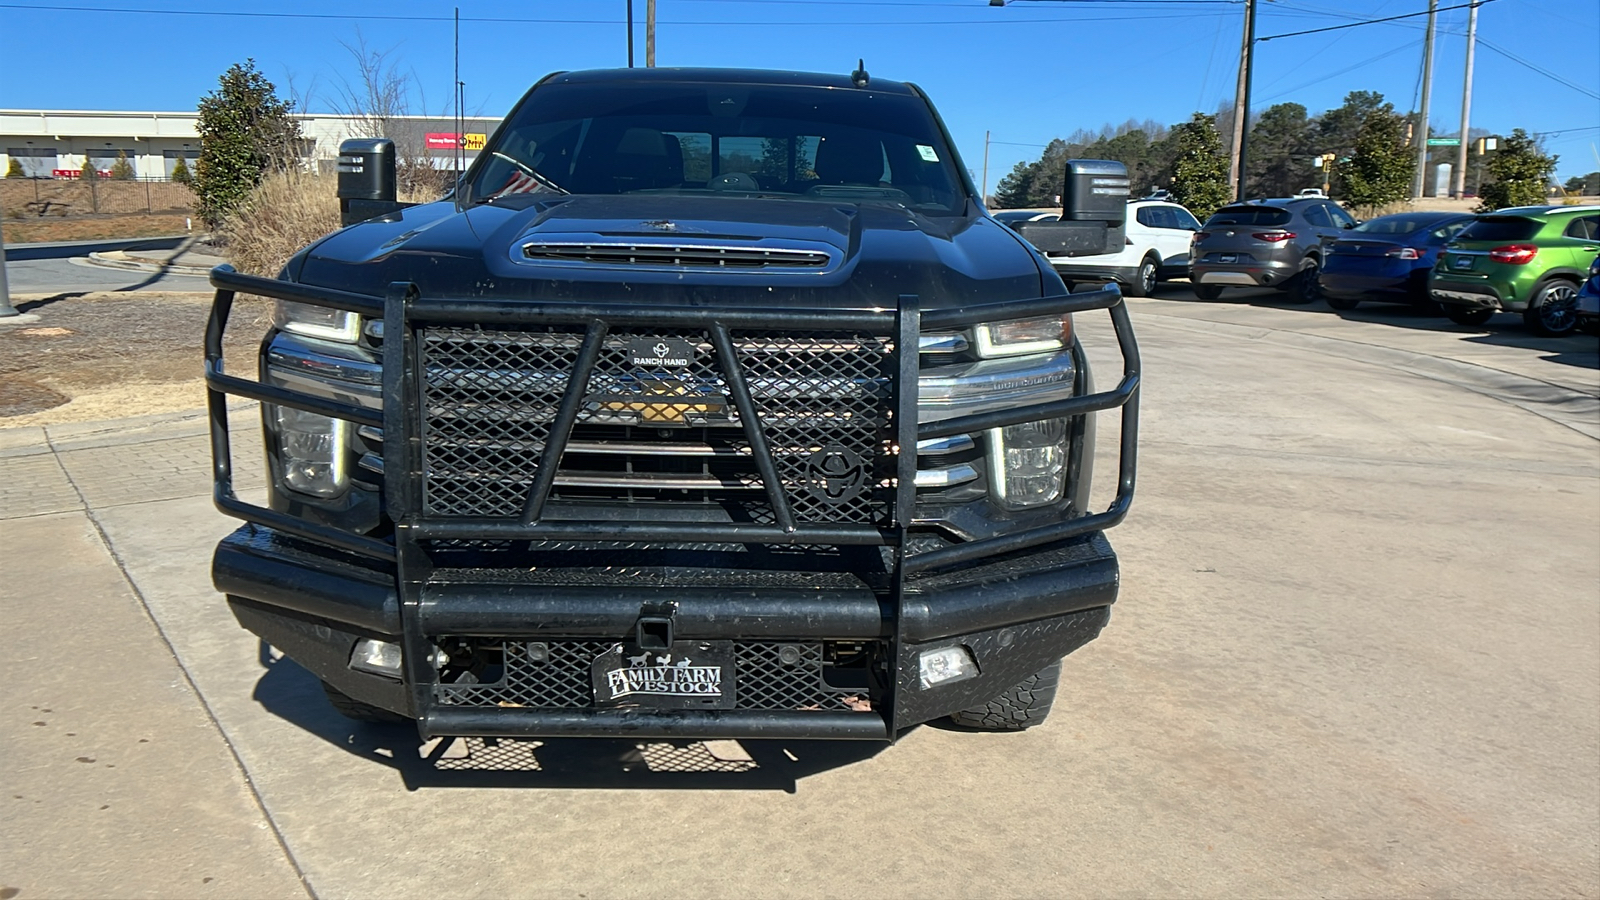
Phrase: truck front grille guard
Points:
(407, 316)
(404, 307)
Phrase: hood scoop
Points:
(675, 255)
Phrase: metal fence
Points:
(28, 198)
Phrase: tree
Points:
(1381, 167)
(1581, 184)
(1280, 152)
(1337, 129)
(1519, 174)
(14, 169)
(1200, 172)
(244, 130)
(122, 170)
(88, 172)
(180, 172)
(1015, 188)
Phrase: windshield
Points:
(1396, 224)
(724, 139)
(1500, 228)
(1249, 215)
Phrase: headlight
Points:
(317, 321)
(1019, 337)
(1028, 463)
(311, 451)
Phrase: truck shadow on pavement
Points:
(293, 694)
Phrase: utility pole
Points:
(6, 309)
(1241, 103)
(1427, 90)
(984, 194)
(650, 34)
(1466, 103)
(630, 34)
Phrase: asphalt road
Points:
(1357, 652)
(71, 275)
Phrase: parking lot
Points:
(1357, 651)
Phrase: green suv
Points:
(1527, 259)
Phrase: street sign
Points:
(1444, 142)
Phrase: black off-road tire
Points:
(1023, 706)
(1471, 317)
(1208, 291)
(1553, 311)
(1144, 280)
(351, 708)
(1303, 288)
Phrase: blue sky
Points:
(1028, 72)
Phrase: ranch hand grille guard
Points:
(781, 428)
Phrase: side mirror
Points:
(1094, 212)
(366, 179)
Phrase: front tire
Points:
(1208, 291)
(351, 708)
(1144, 280)
(1553, 312)
(1472, 317)
(1025, 705)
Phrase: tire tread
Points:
(1024, 705)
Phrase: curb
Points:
(117, 259)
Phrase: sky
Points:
(1023, 73)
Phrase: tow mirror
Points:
(1094, 212)
(367, 180)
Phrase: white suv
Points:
(1156, 249)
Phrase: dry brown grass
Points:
(39, 198)
(94, 228)
(287, 211)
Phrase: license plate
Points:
(1227, 257)
(692, 675)
(1461, 262)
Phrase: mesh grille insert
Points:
(672, 434)
(763, 680)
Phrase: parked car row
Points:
(1155, 248)
(1533, 260)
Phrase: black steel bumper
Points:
(1016, 615)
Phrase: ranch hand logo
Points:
(648, 673)
(660, 353)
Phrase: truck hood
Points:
(670, 250)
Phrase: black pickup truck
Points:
(709, 404)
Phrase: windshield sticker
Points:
(927, 153)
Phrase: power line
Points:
(1409, 45)
(901, 23)
(1272, 37)
(1545, 72)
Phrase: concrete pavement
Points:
(1357, 652)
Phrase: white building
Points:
(48, 142)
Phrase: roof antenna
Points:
(859, 77)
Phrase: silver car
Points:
(1265, 243)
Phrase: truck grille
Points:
(648, 432)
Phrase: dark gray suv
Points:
(1265, 243)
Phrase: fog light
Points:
(946, 665)
(311, 450)
(376, 658)
(1028, 462)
